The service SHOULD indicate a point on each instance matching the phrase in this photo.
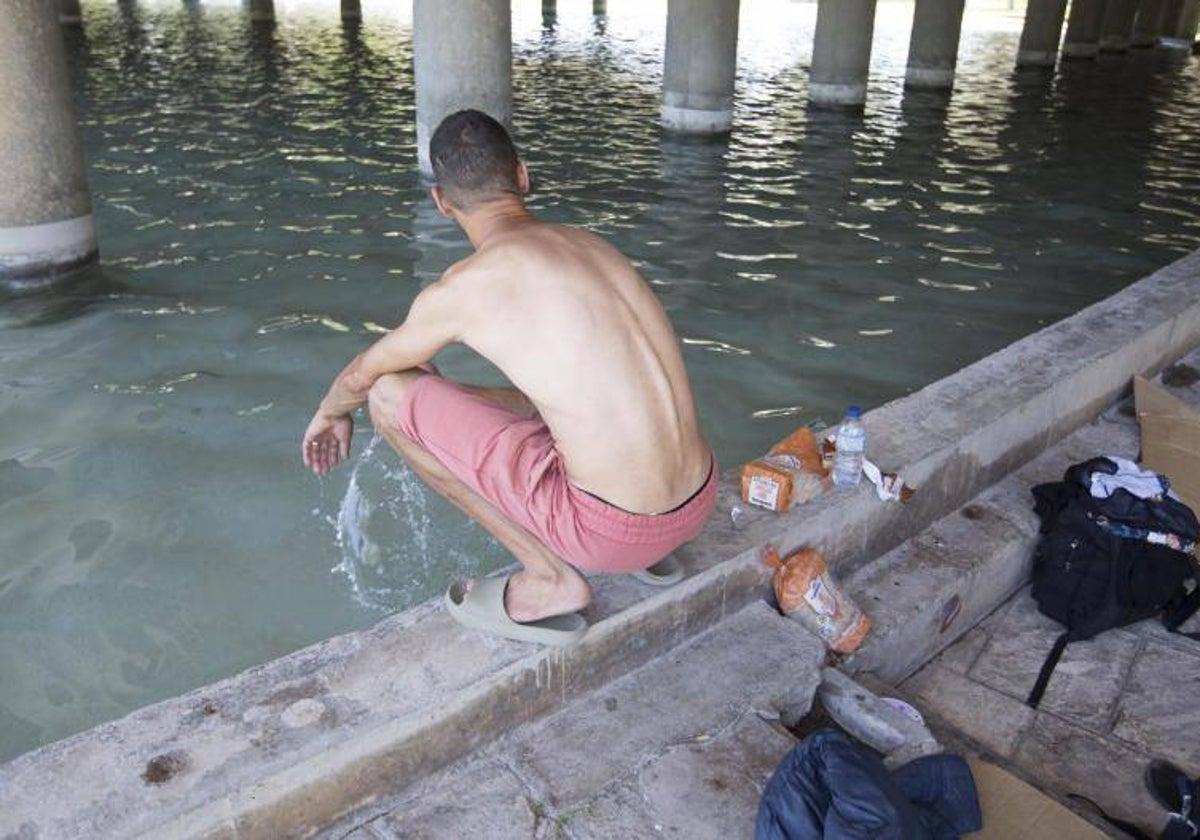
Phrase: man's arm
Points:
(432, 323)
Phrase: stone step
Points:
(926, 593)
(681, 747)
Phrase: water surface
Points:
(261, 220)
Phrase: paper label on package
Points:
(764, 492)
(820, 598)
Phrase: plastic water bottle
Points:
(851, 442)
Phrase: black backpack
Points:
(1100, 563)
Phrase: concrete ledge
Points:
(286, 748)
(294, 744)
(688, 741)
(923, 595)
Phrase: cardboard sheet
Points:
(1014, 810)
(1170, 438)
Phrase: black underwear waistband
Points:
(712, 462)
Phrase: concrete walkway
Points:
(681, 747)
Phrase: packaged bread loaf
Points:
(791, 473)
(807, 592)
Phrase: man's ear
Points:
(522, 177)
(439, 201)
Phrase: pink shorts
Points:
(512, 462)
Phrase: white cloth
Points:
(1145, 484)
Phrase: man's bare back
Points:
(573, 326)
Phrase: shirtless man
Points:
(595, 460)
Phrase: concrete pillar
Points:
(462, 58)
(1117, 29)
(1041, 33)
(1083, 29)
(1168, 26)
(600, 7)
(69, 12)
(261, 10)
(933, 46)
(1148, 24)
(841, 52)
(549, 10)
(1179, 19)
(1190, 21)
(351, 9)
(46, 224)
(699, 66)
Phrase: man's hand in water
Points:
(327, 442)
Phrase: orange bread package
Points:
(791, 473)
(807, 592)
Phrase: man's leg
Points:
(509, 398)
(547, 585)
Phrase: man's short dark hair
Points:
(474, 160)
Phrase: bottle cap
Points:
(854, 411)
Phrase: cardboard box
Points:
(1170, 438)
(1015, 810)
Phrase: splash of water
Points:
(397, 539)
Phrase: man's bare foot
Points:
(529, 597)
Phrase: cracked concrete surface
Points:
(1113, 703)
(681, 746)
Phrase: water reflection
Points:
(71, 297)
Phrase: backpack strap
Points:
(1056, 652)
(1176, 614)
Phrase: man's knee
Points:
(386, 395)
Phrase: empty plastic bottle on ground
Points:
(851, 443)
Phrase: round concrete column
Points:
(45, 211)
(69, 12)
(1117, 30)
(1190, 21)
(462, 57)
(261, 10)
(1041, 34)
(351, 9)
(1083, 29)
(933, 47)
(1179, 19)
(841, 52)
(1147, 25)
(1168, 24)
(699, 66)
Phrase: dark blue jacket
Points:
(829, 788)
